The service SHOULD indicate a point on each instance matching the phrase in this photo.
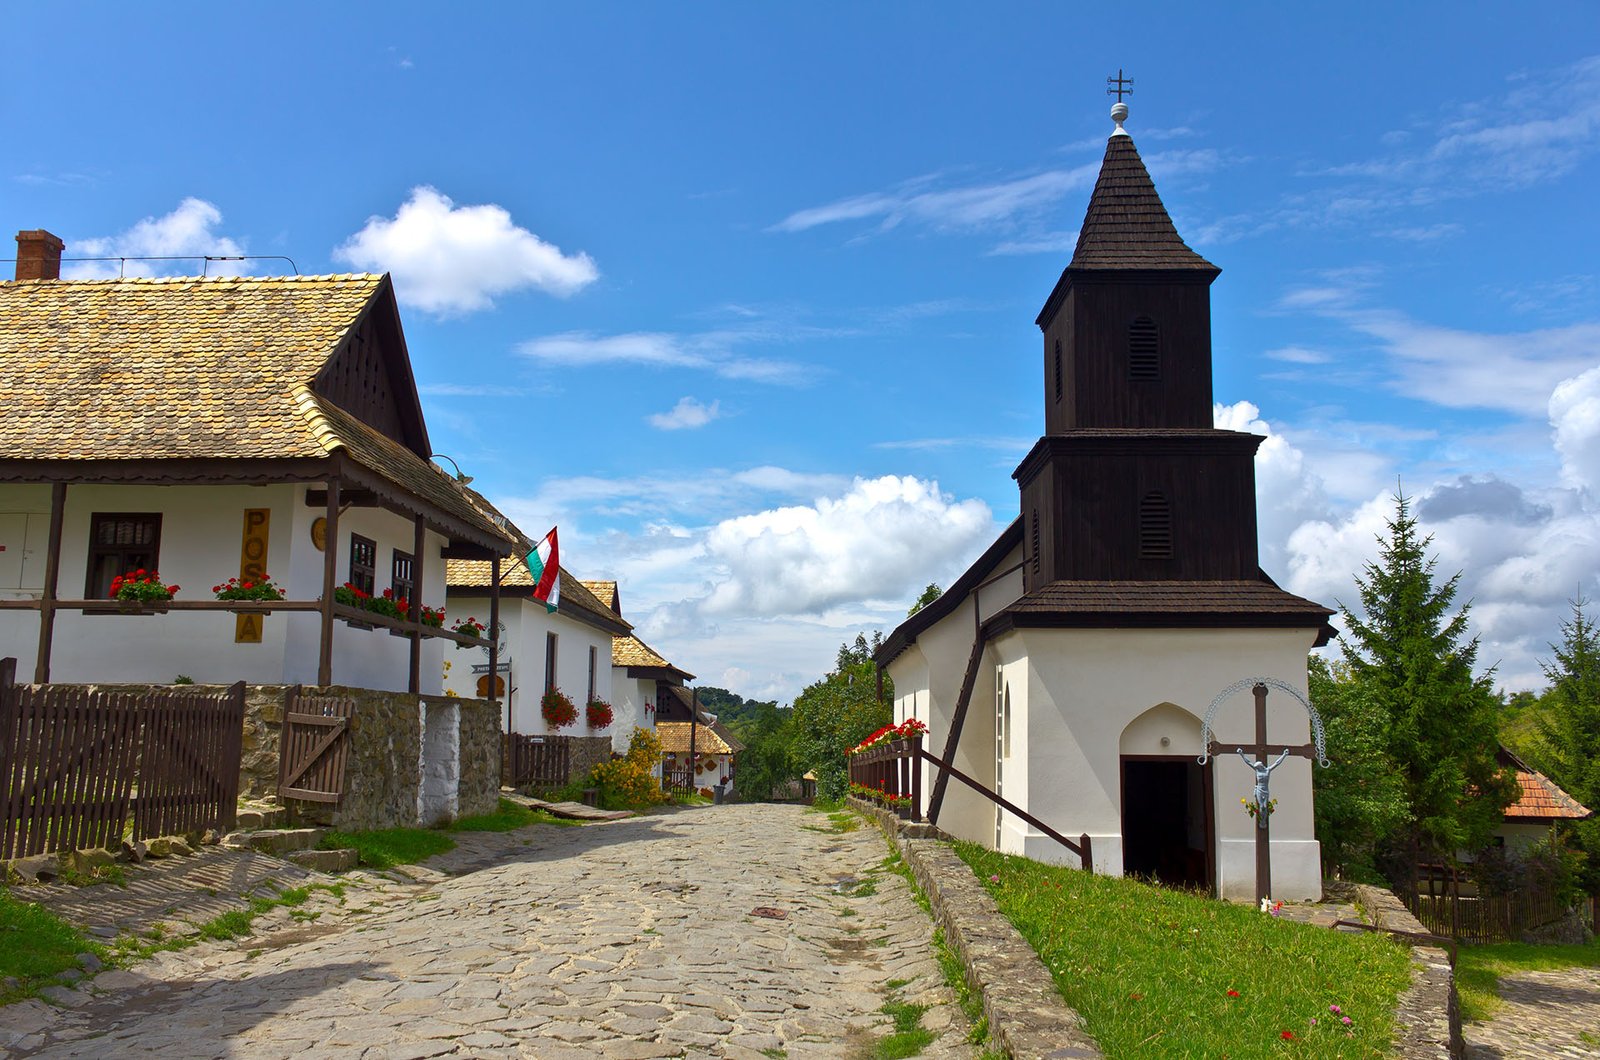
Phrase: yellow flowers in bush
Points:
(629, 782)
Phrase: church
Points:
(1071, 667)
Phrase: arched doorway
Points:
(1168, 809)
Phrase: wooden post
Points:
(694, 718)
(494, 637)
(1264, 832)
(414, 613)
(916, 778)
(330, 566)
(52, 573)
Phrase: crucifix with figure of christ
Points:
(1259, 757)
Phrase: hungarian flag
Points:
(544, 567)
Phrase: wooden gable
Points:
(369, 375)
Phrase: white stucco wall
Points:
(201, 535)
(1085, 687)
(527, 622)
(633, 700)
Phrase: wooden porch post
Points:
(494, 636)
(694, 717)
(415, 611)
(52, 571)
(330, 565)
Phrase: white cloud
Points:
(874, 542)
(687, 414)
(186, 232)
(1575, 419)
(1299, 355)
(456, 259)
(707, 351)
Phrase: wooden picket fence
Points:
(535, 761)
(81, 768)
(1492, 918)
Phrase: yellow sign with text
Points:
(252, 567)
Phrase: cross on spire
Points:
(1121, 85)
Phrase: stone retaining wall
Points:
(586, 753)
(1027, 1017)
(1428, 1014)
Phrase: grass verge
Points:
(387, 847)
(36, 946)
(1160, 973)
(508, 817)
(1479, 968)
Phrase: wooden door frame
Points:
(1207, 795)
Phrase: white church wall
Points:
(1008, 708)
(937, 662)
(1086, 686)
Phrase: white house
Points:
(208, 428)
(569, 648)
(1097, 630)
(640, 675)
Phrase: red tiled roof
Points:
(1542, 800)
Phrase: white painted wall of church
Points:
(1085, 687)
(201, 534)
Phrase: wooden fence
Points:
(76, 764)
(678, 781)
(535, 761)
(1491, 918)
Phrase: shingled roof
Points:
(1164, 604)
(632, 652)
(576, 600)
(1539, 799)
(221, 370)
(712, 739)
(606, 593)
(1127, 227)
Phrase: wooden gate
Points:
(535, 761)
(313, 747)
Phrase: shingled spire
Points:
(1127, 227)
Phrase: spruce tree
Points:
(1413, 659)
(1569, 730)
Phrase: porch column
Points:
(494, 635)
(52, 571)
(330, 565)
(415, 613)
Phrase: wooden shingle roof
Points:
(1164, 604)
(605, 592)
(708, 739)
(1127, 227)
(214, 373)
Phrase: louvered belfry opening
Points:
(1036, 541)
(1144, 350)
(1155, 526)
(1058, 370)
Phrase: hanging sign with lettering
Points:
(252, 567)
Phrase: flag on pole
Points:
(544, 567)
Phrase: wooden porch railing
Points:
(893, 770)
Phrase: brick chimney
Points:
(38, 255)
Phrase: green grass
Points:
(839, 822)
(387, 847)
(1479, 968)
(1150, 969)
(909, 1036)
(35, 947)
(508, 817)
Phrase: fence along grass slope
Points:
(76, 763)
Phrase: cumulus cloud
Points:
(1575, 418)
(873, 542)
(457, 259)
(188, 232)
(687, 414)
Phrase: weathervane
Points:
(1121, 85)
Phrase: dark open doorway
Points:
(1166, 820)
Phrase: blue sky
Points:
(742, 296)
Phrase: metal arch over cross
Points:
(1122, 86)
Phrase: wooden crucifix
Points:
(1259, 757)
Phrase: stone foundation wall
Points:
(479, 790)
(587, 752)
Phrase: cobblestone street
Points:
(728, 931)
(1545, 1015)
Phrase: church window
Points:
(1058, 369)
(1155, 526)
(1144, 350)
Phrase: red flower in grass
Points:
(1233, 993)
(1287, 1036)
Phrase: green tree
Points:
(1360, 800)
(1411, 656)
(836, 713)
(929, 595)
(1569, 730)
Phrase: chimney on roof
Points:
(39, 255)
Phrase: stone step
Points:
(325, 860)
(260, 817)
(280, 841)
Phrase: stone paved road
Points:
(1546, 1015)
(631, 939)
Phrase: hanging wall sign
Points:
(252, 567)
